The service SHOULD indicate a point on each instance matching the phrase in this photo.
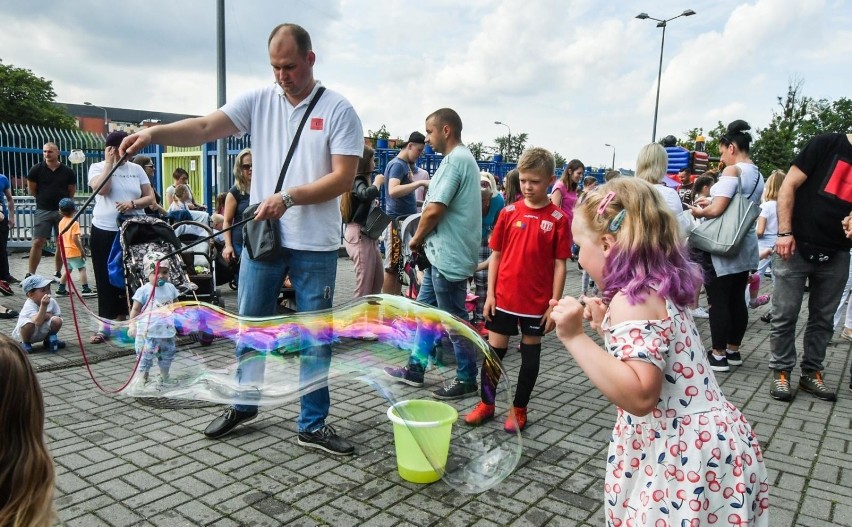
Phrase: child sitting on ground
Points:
(40, 318)
(158, 336)
(75, 254)
(530, 230)
(680, 453)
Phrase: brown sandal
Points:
(99, 338)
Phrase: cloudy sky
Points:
(573, 74)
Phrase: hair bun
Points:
(738, 126)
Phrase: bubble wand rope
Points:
(86, 362)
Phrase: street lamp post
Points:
(662, 24)
(508, 140)
(106, 117)
(613, 154)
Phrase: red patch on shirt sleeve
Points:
(316, 123)
(840, 182)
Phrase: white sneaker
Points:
(699, 312)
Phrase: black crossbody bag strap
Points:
(296, 139)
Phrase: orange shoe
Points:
(481, 413)
(517, 420)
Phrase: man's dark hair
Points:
(300, 35)
(449, 117)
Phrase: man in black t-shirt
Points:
(49, 182)
(812, 246)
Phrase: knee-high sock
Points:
(491, 374)
(530, 361)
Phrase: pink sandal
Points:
(762, 300)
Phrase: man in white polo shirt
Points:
(323, 167)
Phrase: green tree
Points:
(511, 152)
(559, 159)
(28, 99)
(776, 144)
(476, 150)
(824, 117)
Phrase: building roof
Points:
(122, 115)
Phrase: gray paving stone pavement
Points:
(120, 463)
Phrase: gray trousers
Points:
(826, 286)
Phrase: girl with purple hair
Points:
(679, 452)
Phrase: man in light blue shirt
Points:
(449, 232)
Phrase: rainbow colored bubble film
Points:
(193, 351)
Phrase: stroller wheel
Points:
(233, 285)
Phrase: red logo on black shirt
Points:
(840, 182)
(316, 123)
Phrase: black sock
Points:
(491, 374)
(530, 362)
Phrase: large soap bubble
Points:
(282, 358)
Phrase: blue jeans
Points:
(313, 274)
(824, 281)
(448, 296)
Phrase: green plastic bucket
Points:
(433, 424)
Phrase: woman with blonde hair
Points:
(236, 202)
(767, 233)
(651, 167)
(26, 468)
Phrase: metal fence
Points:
(21, 149)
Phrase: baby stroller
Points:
(140, 235)
(411, 261)
(200, 258)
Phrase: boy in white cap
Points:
(155, 333)
(40, 318)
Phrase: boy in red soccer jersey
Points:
(530, 245)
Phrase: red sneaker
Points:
(480, 328)
(481, 413)
(517, 420)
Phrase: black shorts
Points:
(507, 324)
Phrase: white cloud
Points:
(572, 74)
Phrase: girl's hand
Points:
(228, 253)
(567, 314)
(548, 322)
(488, 309)
(594, 312)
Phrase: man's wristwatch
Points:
(287, 199)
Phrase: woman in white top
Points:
(725, 277)
(128, 192)
(651, 167)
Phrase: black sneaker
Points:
(812, 383)
(404, 375)
(61, 291)
(767, 317)
(86, 292)
(734, 358)
(227, 422)
(780, 388)
(326, 439)
(718, 363)
(456, 390)
(13, 280)
(58, 275)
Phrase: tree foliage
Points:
(798, 120)
(476, 149)
(511, 152)
(28, 99)
(559, 159)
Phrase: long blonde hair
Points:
(26, 468)
(773, 185)
(651, 163)
(240, 178)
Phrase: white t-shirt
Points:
(672, 199)
(29, 310)
(126, 184)
(161, 327)
(332, 129)
(769, 210)
(726, 186)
